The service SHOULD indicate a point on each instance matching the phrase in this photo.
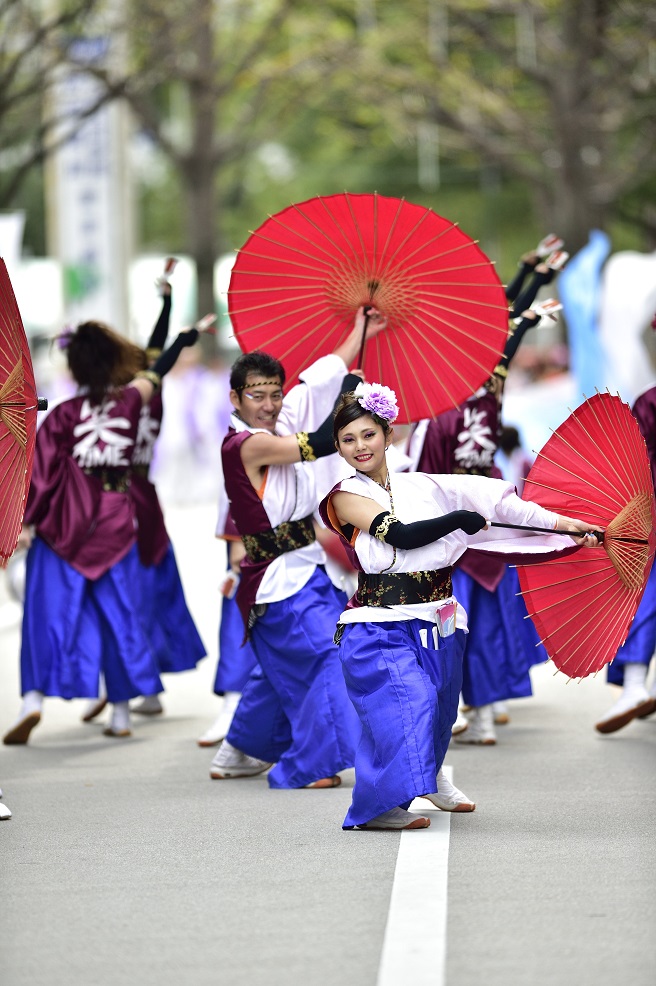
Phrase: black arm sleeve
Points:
(513, 341)
(168, 359)
(515, 286)
(319, 443)
(527, 296)
(386, 528)
(158, 336)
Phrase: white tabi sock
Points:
(32, 702)
(120, 720)
(635, 683)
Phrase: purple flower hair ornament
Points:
(64, 338)
(378, 400)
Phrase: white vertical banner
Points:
(12, 225)
(89, 190)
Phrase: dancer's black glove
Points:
(158, 336)
(169, 357)
(387, 528)
(319, 443)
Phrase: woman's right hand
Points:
(376, 321)
(587, 538)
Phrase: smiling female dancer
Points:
(402, 636)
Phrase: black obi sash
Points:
(112, 480)
(403, 588)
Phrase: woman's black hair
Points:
(509, 439)
(100, 359)
(349, 409)
(256, 362)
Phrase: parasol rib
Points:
(573, 509)
(617, 501)
(583, 621)
(448, 339)
(596, 445)
(391, 260)
(349, 253)
(440, 379)
(619, 469)
(461, 350)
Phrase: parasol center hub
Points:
(393, 293)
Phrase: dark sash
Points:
(403, 588)
(112, 480)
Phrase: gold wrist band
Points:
(383, 528)
(151, 377)
(307, 452)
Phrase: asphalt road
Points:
(125, 864)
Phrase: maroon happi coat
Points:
(464, 440)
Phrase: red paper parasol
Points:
(299, 280)
(18, 409)
(594, 468)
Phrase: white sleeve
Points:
(497, 501)
(308, 404)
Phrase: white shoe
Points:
(230, 762)
(649, 709)
(397, 819)
(149, 705)
(500, 713)
(632, 704)
(221, 725)
(448, 797)
(94, 708)
(481, 728)
(4, 813)
(460, 725)
(119, 726)
(19, 733)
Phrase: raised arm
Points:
(160, 332)
(351, 345)
(148, 382)
(272, 450)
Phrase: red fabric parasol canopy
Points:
(299, 280)
(595, 468)
(18, 410)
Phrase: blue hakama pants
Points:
(405, 690)
(294, 708)
(501, 645)
(640, 644)
(236, 662)
(171, 629)
(75, 628)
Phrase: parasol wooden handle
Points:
(546, 530)
(366, 310)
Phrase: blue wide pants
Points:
(640, 644)
(75, 628)
(404, 682)
(501, 645)
(294, 709)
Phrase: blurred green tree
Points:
(559, 95)
(32, 41)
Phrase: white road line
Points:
(414, 948)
